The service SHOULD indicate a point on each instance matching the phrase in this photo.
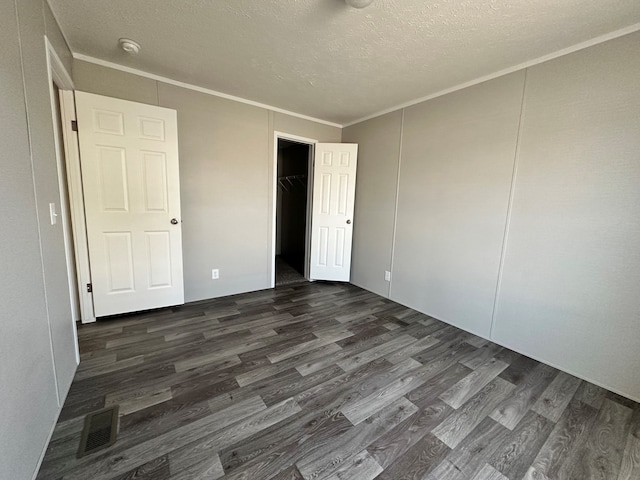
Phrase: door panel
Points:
(129, 159)
(159, 248)
(155, 181)
(119, 262)
(113, 179)
(333, 201)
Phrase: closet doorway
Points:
(293, 202)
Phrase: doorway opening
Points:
(292, 211)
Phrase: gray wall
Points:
(374, 214)
(224, 195)
(565, 254)
(455, 175)
(570, 291)
(45, 173)
(37, 347)
(226, 168)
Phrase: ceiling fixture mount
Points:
(359, 3)
(129, 46)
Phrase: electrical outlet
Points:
(387, 275)
(215, 274)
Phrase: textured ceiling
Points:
(324, 59)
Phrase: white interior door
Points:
(130, 178)
(334, 188)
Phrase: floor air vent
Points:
(100, 429)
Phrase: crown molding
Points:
(559, 53)
(565, 51)
(177, 83)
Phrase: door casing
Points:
(274, 185)
(60, 76)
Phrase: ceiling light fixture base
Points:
(359, 3)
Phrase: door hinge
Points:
(74, 125)
(89, 287)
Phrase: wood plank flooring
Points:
(329, 382)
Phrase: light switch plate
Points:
(53, 214)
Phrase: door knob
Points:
(174, 221)
(348, 222)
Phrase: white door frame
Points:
(57, 73)
(274, 200)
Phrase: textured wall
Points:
(36, 328)
(305, 128)
(54, 34)
(569, 286)
(457, 164)
(373, 220)
(45, 173)
(570, 292)
(226, 168)
(114, 83)
(224, 192)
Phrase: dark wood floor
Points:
(322, 381)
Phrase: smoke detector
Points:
(129, 46)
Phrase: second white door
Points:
(334, 188)
(130, 177)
